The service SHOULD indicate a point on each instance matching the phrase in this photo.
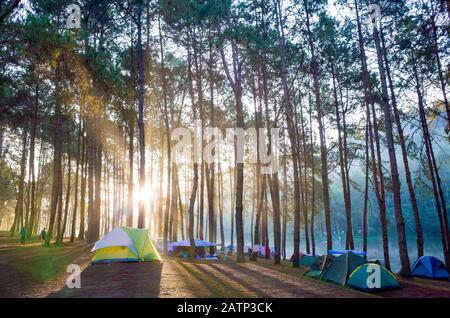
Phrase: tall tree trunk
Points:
(174, 203)
(31, 163)
(313, 184)
(401, 137)
(141, 92)
(151, 195)
(232, 194)
(211, 168)
(434, 174)
(257, 237)
(305, 184)
(235, 81)
(349, 244)
(160, 189)
(396, 192)
(272, 179)
(180, 206)
(252, 220)
(98, 181)
(220, 189)
(77, 172)
(59, 213)
(90, 238)
(84, 167)
(285, 204)
(291, 132)
(168, 139)
(322, 137)
(39, 188)
(57, 156)
(115, 184)
(60, 239)
(192, 253)
(130, 199)
(378, 179)
(18, 216)
(260, 178)
(366, 187)
(197, 60)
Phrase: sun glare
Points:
(143, 195)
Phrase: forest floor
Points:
(33, 271)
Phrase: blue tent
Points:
(429, 267)
(198, 243)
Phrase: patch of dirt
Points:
(420, 288)
(116, 280)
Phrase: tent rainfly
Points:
(429, 267)
(341, 267)
(307, 260)
(337, 253)
(372, 278)
(198, 243)
(124, 244)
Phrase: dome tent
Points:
(307, 260)
(319, 266)
(341, 267)
(360, 278)
(429, 267)
(124, 244)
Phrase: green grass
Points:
(40, 263)
(44, 263)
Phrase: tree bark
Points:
(60, 239)
(77, 172)
(236, 84)
(18, 216)
(57, 154)
(291, 131)
(322, 137)
(412, 195)
(31, 163)
(141, 92)
(349, 243)
(434, 174)
(168, 140)
(366, 188)
(396, 192)
(84, 165)
(378, 179)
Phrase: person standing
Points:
(43, 234)
(23, 235)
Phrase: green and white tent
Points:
(341, 268)
(124, 244)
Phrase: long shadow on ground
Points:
(233, 277)
(117, 280)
